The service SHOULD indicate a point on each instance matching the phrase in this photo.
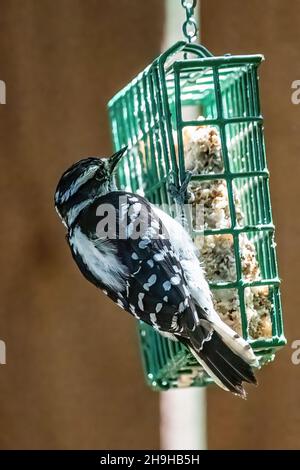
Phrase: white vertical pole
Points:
(182, 411)
(183, 419)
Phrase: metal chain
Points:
(189, 27)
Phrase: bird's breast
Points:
(100, 259)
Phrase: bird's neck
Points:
(75, 209)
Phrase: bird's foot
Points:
(181, 195)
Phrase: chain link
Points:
(189, 27)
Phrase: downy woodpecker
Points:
(146, 262)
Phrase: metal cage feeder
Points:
(151, 115)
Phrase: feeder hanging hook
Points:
(189, 27)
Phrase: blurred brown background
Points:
(73, 377)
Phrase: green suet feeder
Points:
(152, 116)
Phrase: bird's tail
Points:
(223, 354)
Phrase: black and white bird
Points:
(146, 262)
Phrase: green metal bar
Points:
(229, 175)
(178, 114)
(168, 123)
(161, 113)
(222, 120)
(150, 148)
(234, 230)
(216, 61)
(241, 283)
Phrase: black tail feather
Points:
(229, 368)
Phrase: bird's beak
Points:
(115, 158)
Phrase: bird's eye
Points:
(98, 173)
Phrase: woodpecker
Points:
(146, 262)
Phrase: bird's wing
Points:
(154, 287)
(187, 252)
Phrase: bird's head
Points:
(82, 183)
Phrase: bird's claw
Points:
(181, 194)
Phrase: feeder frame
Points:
(147, 116)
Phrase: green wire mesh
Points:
(149, 116)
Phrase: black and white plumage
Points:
(147, 263)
